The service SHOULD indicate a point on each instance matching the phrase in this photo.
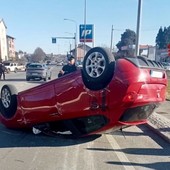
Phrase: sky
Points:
(33, 23)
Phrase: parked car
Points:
(26, 65)
(104, 95)
(38, 71)
(79, 63)
(166, 65)
(14, 67)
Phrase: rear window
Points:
(35, 66)
(6, 64)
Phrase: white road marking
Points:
(121, 156)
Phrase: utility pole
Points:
(75, 35)
(84, 27)
(111, 44)
(138, 27)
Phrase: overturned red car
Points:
(104, 95)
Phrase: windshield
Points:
(6, 64)
(35, 66)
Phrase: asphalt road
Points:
(136, 148)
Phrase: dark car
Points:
(26, 66)
(102, 95)
(38, 71)
(166, 65)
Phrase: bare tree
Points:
(38, 55)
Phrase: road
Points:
(136, 148)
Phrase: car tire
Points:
(15, 70)
(8, 102)
(98, 68)
(49, 78)
(27, 78)
(45, 79)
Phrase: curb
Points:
(152, 127)
(160, 125)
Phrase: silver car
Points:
(38, 71)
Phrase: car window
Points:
(6, 64)
(34, 66)
(165, 64)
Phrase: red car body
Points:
(134, 91)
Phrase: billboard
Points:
(86, 33)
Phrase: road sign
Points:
(54, 40)
(86, 33)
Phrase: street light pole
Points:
(138, 27)
(84, 27)
(75, 35)
(111, 44)
(69, 42)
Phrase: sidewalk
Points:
(159, 121)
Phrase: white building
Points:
(3, 41)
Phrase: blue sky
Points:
(34, 22)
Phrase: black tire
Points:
(8, 102)
(49, 78)
(45, 78)
(15, 70)
(98, 68)
(27, 78)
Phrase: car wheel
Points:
(45, 78)
(8, 102)
(27, 78)
(16, 70)
(49, 78)
(98, 68)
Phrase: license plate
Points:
(156, 74)
(34, 74)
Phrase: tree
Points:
(160, 39)
(167, 36)
(38, 55)
(127, 38)
(163, 38)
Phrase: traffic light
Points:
(168, 49)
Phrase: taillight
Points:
(130, 97)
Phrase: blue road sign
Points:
(86, 33)
(54, 40)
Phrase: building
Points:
(147, 51)
(11, 47)
(81, 51)
(162, 55)
(3, 41)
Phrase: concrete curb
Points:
(160, 125)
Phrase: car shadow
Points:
(13, 79)
(36, 82)
(24, 80)
(23, 138)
